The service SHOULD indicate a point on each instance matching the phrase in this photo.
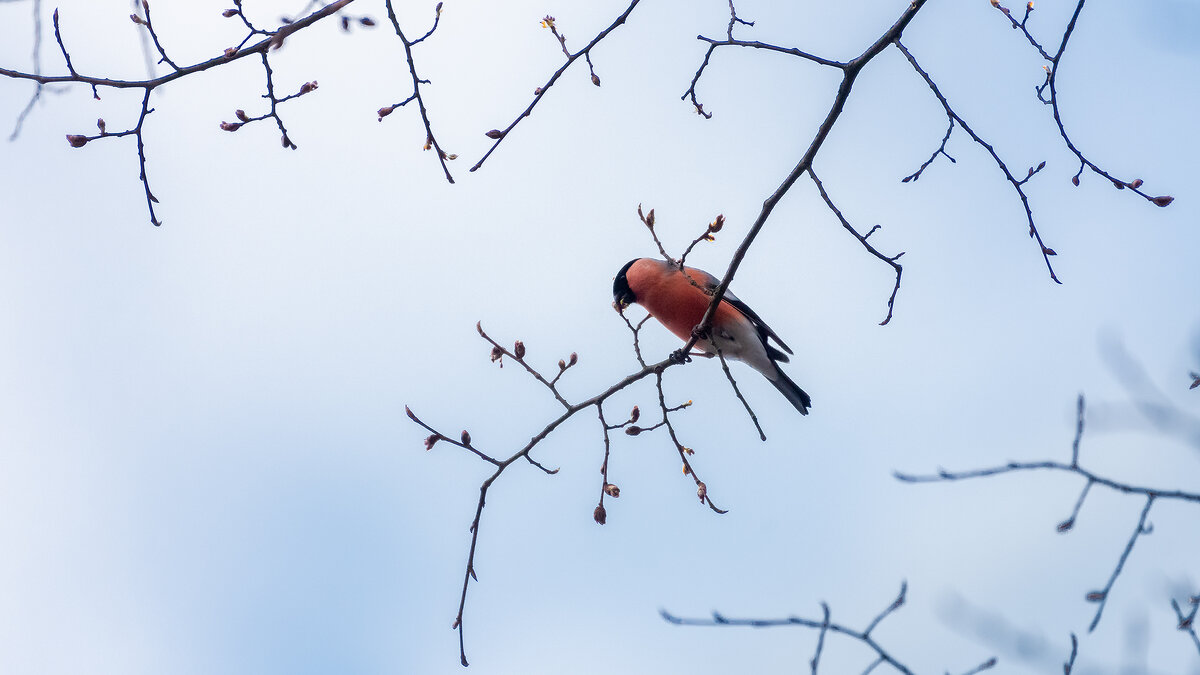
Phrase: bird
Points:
(671, 297)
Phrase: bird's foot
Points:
(680, 356)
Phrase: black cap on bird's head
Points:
(622, 294)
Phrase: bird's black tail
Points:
(792, 392)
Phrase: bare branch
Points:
(1150, 495)
(430, 139)
(823, 626)
(499, 135)
(862, 239)
(1017, 184)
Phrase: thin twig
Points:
(733, 383)
(850, 72)
(1101, 597)
(862, 239)
(499, 135)
(1017, 184)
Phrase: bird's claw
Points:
(680, 356)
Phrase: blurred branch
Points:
(1187, 623)
(825, 626)
(1148, 399)
(36, 61)
(1142, 528)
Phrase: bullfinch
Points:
(671, 297)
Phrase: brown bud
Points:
(438, 9)
(595, 79)
(76, 140)
(1048, 251)
(1137, 183)
(537, 91)
(497, 355)
(701, 490)
(230, 126)
(573, 360)
(1075, 181)
(599, 515)
(612, 490)
(367, 21)
(241, 115)
(229, 12)
(633, 430)
(137, 19)
(408, 411)
(1118, 184)
(686, 469)
(716, 225)
(385, 111)
(307, 87)
(519, 349)
(430, 440)
(100, 125)
(1066, 525)
(1095, 596)
(457, 622)
(562, 365)
(230, 51)
(495, 134)
(1163, 201)
(635, 414)
(466, 438)
(345, 23)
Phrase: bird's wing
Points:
(710, 284)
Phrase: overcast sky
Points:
(206, 466)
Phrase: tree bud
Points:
(76, 140)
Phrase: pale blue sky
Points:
(206, 463)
